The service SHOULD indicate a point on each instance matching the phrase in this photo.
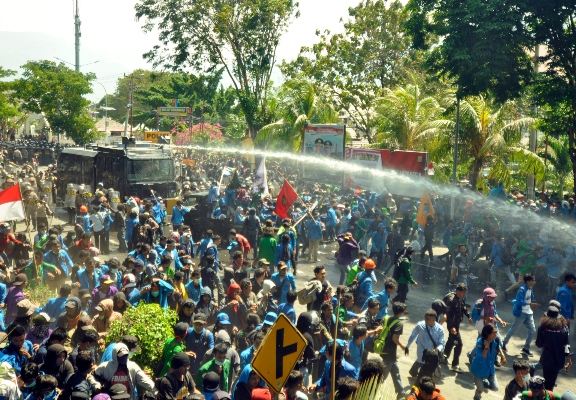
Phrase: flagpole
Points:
(299, 198)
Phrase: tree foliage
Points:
(299, 102)
(240, 36)
(57, 92)
(355, 66)
(152, 326)
(8, 108)
(407, 118)
(482, 48)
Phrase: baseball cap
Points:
(20, 279)
(199, 317)
(489, 292)
(264, 261)
(129, 281)
(138, 263)
(180, 360)
(99, 307)
(270, 318)
(210, 381)
(105, 279)
(282, 266)
(118, 391)
(123, 351)
(221, 395)
(132, 343)
(223, 318)
(71, 304)
(43, 318)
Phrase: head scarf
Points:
(230, 294)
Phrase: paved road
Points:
(432, 285)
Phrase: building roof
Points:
(113, 126)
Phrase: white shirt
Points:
(528, 299)
(96, 220)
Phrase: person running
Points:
(523, 314)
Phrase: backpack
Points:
(354, 271)
(208, 277)
(307, 294)
(354, 287)
(380, 341)
(398, 258)
(550, 394)
(439, 306)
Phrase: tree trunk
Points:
(476, 169)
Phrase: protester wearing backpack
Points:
(387, 343)
(455, 312)
(322, 295)
(383, 298)
(365, 282)
(403, 275)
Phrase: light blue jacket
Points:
(84, 279)
(484, 367)
(289, 283)
(54, 307)
(314, 229)
(564, 296)
(165, 291)
(178, 215)
(383, 299)
(193, 292)
(423, 339)
(63, 262)
(520, 300)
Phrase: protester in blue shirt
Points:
(379, 244)
(356, 346)
(56, 305)
(87, 278)
(157, 292)
(201, 249)
(247, 355)
(288, 307)
(383, 298)
(178, 212)
(194, 287)
(198, 341)
(564, 296)
(365, 282)
(482, 366)
(283, 281)
(19, 350)
(314, 233)
(343, 369)
(523, 314)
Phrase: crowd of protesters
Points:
(225, 309)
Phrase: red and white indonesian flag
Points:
(11, 208)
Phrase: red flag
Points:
(286, 197)
(11, 204)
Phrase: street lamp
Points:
(106, 109)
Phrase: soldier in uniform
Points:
(9, 183)
(327, 148)
(17, 156)
(100, 188)
(31, 204)
(24, 154)
(319, 146)
(43, 211)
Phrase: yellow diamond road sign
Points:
(279, 353)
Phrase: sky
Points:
(113, 42)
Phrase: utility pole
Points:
(531, 180)
(77, 35)
(132, 103)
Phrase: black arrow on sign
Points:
(282, 351)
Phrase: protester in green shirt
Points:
(35, 269)
(174, 346)
(219, 364)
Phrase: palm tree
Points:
(299, 103)
(408, 118)
(494, 134)
(556, 151)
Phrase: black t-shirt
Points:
(389, 346)
(171, 388)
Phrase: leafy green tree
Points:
(407, 118)
(299, 103)
(355, 66)
(8, 108)
(57, 92)
(481, 49)
(151, 325)
(240, 36)
(557, 155)
(491, 133)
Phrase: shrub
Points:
(151, 325)
(40, 294)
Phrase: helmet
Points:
(83, 209)
(129, 281)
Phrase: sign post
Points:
(278, 354)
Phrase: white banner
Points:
(261, 178)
